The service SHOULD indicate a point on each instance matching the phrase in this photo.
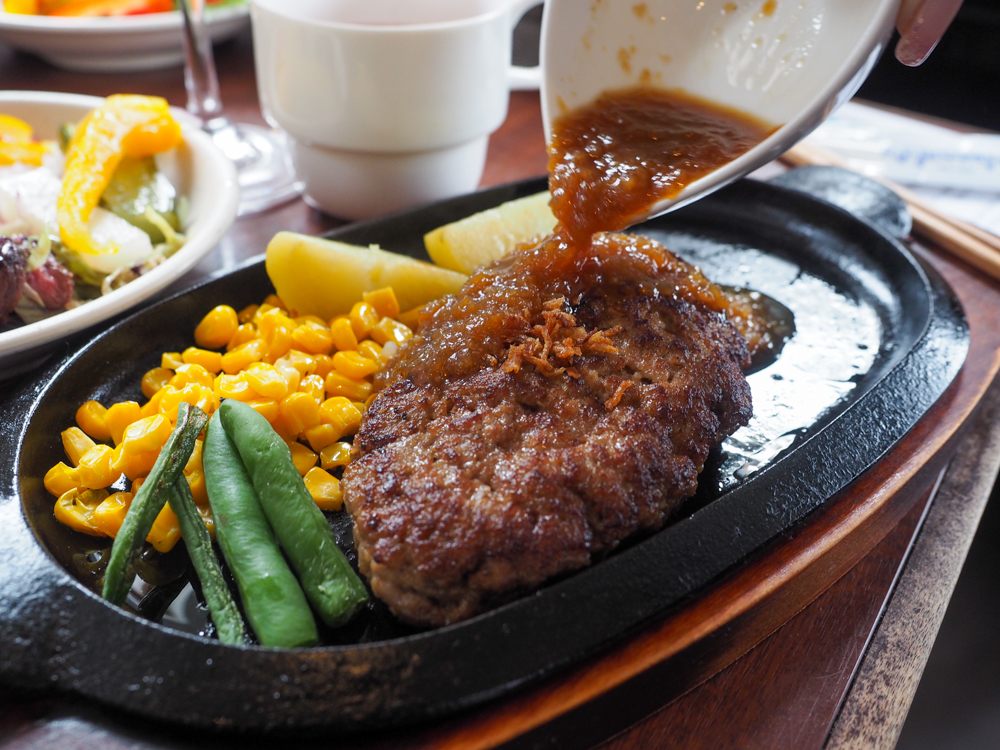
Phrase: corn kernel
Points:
(291, 373)
(390, 330)
(354, 365)
(146, 434)
(60, 479)
(337, 384)
(363, 318)
(299, 412)
(343, 334)
(75, 509)
(244, 333)
(196, 481)
(95, 470)
(303, 458)
(275, 328)
(165, 531)
(92, 418)
(247, 314)
(324, 489)
(233, 386)
(383, 300)
(152, 406)
(267, 408)
(194, 460)
(410, 318)
(335, 455)
(75, 443)
(371, 350)
(216, 328)
(211, 361)
(153, 380)
(133, 464)
(304, 363)
(193, 394)
(313, 337)
(171, 360)
(313, 385)
(267, 381)
(191, 373)
(243, 355)
(324, 364)
(275, 301)
(300, 319)
(120, 416)
(322, 435)
(262, 309)
(342, 414)
(110, 513)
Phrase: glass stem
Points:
(200, 79)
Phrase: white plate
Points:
(205, 177)
(124, 43)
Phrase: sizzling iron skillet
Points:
(58, 634)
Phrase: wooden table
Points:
(831, 659)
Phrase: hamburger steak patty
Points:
(563, 401)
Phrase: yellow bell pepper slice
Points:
(27, 7)
(16, 144)
(124, 125)
(14, 129)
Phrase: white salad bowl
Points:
(121, 43)
(789, 63)
(199, 172)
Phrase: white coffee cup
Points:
(388, 104)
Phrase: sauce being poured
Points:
(613, 158)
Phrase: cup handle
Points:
(519, 77)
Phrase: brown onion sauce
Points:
(609, 161)
(613, 158)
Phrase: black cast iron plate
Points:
(57, 633)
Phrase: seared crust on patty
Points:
(559, 404)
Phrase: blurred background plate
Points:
(204, 176)
(124, 43)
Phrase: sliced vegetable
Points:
(330, 583)
(272, 599)
(137, 187)
(149, 500)
(124, 125)
(225, 614)
(470, 243)
(326, 278)
(16, 144)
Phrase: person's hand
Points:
(921, 25)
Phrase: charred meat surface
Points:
(563, 401)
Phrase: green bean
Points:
(328, 580)
(148, 502)
(225, 614)
(272, 599)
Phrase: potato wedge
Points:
(472, 242)
(322, 277)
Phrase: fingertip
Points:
(913, 52)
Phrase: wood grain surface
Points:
(805, 609)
